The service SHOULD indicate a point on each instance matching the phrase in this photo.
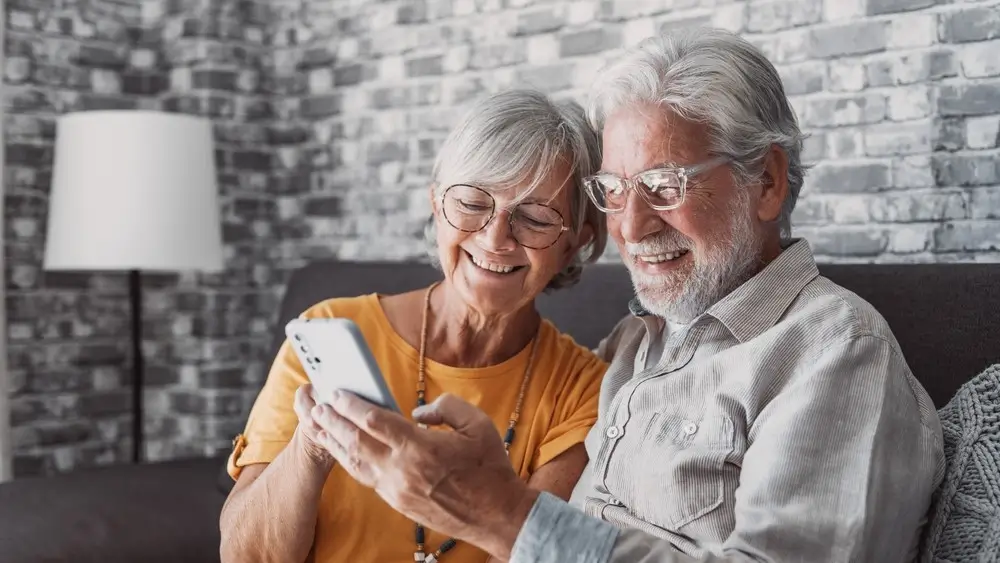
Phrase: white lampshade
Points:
(133, 190)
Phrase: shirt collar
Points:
(756, 305)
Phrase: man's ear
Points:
(774, 185)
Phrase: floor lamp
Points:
(134, 191)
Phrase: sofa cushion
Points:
(154, 513)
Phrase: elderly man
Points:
(753, 411)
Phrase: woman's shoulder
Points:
(567, 353)
(342, 307)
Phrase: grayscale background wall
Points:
(328, 115)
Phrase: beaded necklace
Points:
(419, 555)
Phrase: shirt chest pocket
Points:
(682, 468)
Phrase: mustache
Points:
(661, 243)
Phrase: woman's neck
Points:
(460, 336)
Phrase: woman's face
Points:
(489, 269)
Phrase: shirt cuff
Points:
(556, 532)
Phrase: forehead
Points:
(551, 189)
(640, 137)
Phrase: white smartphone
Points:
(335, 356)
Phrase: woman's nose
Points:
(497, 235)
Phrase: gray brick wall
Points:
(328, 115)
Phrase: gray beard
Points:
(717, 272)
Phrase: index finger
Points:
(383, 425)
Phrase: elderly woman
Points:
(510, 220)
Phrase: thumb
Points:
(451, 410)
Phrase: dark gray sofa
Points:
(946, 318)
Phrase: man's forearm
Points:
(274, 518)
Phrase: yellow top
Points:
(354, 524)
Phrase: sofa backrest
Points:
(946, 317)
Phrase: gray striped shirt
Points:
(782, 425)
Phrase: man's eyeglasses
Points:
(661, 188)
(470, 209)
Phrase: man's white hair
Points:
(514, 140)
(716, 78)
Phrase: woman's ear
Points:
(434, 202)
(583, 237)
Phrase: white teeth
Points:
(657, 258)
(500, 269)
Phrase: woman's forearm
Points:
(273, 517)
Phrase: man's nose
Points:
(497, 236)
(638, 220)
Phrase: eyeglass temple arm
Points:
(699, 168)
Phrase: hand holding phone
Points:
(334, 354)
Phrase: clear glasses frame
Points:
(662, 189)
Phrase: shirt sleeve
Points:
(272, 420)
(575, 411)
(842, 467)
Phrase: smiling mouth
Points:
(665, 257)
(491, 267)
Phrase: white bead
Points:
(431, 559)
(419, 557)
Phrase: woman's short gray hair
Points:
(516, 139)
(714, 77)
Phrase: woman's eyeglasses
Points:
(533, 225)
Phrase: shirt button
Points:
(614, 501)
(690, 428)
(613, 432)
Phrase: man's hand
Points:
(457, 482)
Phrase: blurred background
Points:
(327, 116)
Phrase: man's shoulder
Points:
(836, 313)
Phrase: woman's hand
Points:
(308, 429)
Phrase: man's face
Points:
(682, 260)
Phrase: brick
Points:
(731, 17)
(966, 170)
(912, 30)
(214, 79)
(971, 99)
(848, 241)
(424, 66)
(16, 70)
(980, 60)
(881, 7)
(849, 178)
(971, 24)
(846, 75)
(851, 110)
(949, 134)
(588, 42)
(844, 10)
(911, 102)
(323, 206)
(541, 20)
(497, 55)
(847, 39)
(968, 236)
(982, 132)
(348, 75)
(845, 143)
(549, 78)
(774, 15)
(913, 172)
(323, 105)
(803, 78)
(985, 203)
(919, 207)
(813, 148)
(411, 12)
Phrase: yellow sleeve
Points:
(575, 411)
(272, 419)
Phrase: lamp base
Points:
(135, 306)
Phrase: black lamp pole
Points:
(135, 304)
